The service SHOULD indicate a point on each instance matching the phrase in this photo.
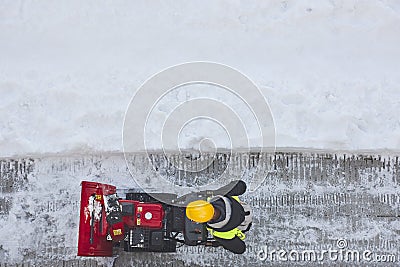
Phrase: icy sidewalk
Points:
(309, 203)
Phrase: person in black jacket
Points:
(225, 216)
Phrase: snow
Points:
(329, 69)
(68, 70)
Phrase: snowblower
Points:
(138, 223)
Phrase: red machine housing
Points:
(148, 215)
(98, 230)
(93, 231)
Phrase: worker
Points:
(226, 217)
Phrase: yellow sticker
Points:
(117, 232)
(138, 222)
(98, 197)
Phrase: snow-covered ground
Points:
(309, 202)
(329, 69)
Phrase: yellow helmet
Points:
(200, 211)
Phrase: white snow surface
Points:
(68, 69)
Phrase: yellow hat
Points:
(200, 211)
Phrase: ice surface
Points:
(309, 201)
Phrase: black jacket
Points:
(235, 245)
(236, 217)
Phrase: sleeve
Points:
(237, 188)
(235, 245)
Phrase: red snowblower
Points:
(138, 222)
